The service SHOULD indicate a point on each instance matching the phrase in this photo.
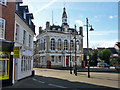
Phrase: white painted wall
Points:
(25, 49)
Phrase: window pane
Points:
(52, 58)
(52, 44)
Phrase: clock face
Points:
(64, 20)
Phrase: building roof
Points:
(118, 44)
(20, 13)
(100, 48)
(24, 8)
(56, 27)
(30, 15)
(112, 49)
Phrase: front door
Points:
(66, 61)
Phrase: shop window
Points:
(4, 65)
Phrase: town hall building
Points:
(56, 44)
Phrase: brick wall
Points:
(8, 13)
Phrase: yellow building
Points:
(56, 44)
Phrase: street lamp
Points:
(75, 70)
(91, 29)
(70, 55)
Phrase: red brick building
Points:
(7, 20)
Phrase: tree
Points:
(105, 55)
(94, 57)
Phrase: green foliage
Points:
(94, 57)
(105, 55)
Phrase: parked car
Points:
(117, 67)
(102, 64)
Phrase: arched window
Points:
(71, 44)
(41, 44)
(77, 45)
(52, 44)
(59, 44)
(65, 45)
(44, 44)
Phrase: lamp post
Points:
(70, 55)
(75, 70)
(91, 29)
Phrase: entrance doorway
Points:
(67, 61)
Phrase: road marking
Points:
(48, 84)
(56, 86)
(41, 82)
(34, 79)
(37, 80)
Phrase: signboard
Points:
(16, 51)
(87, 57)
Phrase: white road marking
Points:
(56, 86)
(34, 79)
(37, 80)
(41, 82)
(49, 84)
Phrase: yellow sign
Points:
(87, 57)
(16, 51)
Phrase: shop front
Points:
(6, 62)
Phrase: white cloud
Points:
(95, 16)
(111, 17)
(102, 32)
(45, 6)
(79, 22)
(101, 43)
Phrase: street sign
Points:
(87, 57)
(16, 51)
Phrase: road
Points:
(51, 78)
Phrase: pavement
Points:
(99, 69)
(52, 78)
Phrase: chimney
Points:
(81, 31)
(47, 26)
(40, 30)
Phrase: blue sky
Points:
(103, 16)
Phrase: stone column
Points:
(65, 60)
